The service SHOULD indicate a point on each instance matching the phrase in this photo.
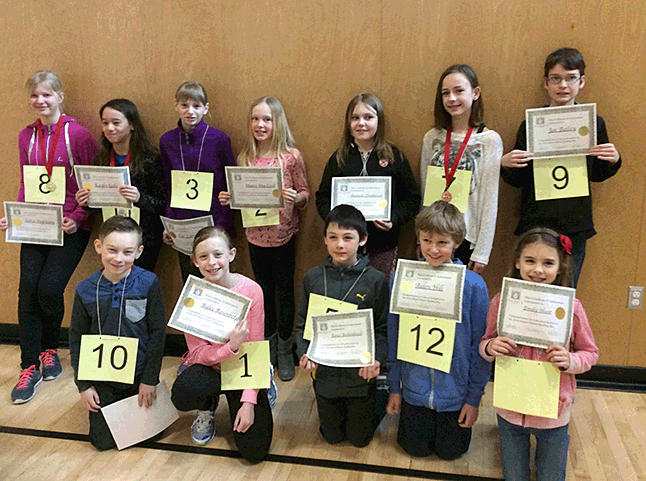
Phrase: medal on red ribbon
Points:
(49, 161)
(449, 173)
(112, 162)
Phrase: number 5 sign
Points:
(108, 358)
(248, 369)
(561, 178)
(427, 341)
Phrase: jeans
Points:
(551, 451)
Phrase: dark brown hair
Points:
(119, 223)
(568, 58)
(550, 238)
(442, 117)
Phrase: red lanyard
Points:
(447, 150)
(125, 164)
(49, 163)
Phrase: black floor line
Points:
(275, 458)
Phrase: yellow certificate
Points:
(249, 369)
(561, 177)
(108, 358)
(191, 190)
(459, 189)
(260, 217)
(133, 213)
(427, 341)
(322, 305)
(527, 387)
(40, 187)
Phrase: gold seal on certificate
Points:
(371, 195)
(255, 187)
(561, 131)
(183, 231)
(208, 311)
(424, 290)
(343, 339)
(104, 184)
(534, 314)
(34, 223)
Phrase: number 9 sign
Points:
(427, 341)
(561, 178)
(108, 358)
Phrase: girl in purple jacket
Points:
(54, 143)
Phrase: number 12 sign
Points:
(108, 358)
(427, 341)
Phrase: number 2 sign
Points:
(108, 358)
(426, 341)
(561, 178)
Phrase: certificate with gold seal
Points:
(103, 184)
(255, 187)
(535, 314)
(343, 339)
(34, 223)
(424, 290)
(208, 311)
(183, 231)
(561, 131)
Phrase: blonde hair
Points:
(282, 141)
(191, 91)
(49, 80)
(441, 218)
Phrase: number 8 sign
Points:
(561, 178)
(108, 358)
(427, 341)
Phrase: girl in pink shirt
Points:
(272, 248)
(543, 256)
(199, 386)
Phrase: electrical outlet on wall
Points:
(635, 297)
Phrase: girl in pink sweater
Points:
(543, 256)
(199, 386)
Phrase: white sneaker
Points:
(203, 429)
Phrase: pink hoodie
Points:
(83, 149)
(583, 355)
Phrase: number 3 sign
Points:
(561, 178)
(191, 190)
(108, 358)
(426, 341)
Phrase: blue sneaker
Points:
(50, 364)
(27, 382)
(203, 429)
(272, 392)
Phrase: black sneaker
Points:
(25, 389)
(50, 364)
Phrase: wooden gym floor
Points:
(46, 439)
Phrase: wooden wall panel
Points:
(315, 56)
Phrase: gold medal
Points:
(446, 196)
(51, 186)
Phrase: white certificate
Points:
(561, 131)
(534, 314)
(208, 311)
(343, 339)
(183, 231)
(424, 290)
(130, 423)
(103, 184)
(34, 223)
(371, 195)
(255, 187)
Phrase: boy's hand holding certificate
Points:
(208, 311)
(343, 339)
(534, 314)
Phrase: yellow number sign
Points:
(322, 305)
(133, 213)
(259, 217)
(249, 369)
(527, 387)
(427, 341)
(436, 184)
(191, 190)
(108, 358)
(561, 178)
(40, 187)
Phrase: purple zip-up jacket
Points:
(216, 153)
(83, 149)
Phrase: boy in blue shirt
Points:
(564, 78)
(438, 409)
(129, 303)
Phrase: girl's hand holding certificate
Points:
(238, 335)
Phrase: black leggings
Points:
(199, 387)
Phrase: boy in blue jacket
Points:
(438, 409)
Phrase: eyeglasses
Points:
(556, 80)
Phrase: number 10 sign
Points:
(427, 341)
(108, 358)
